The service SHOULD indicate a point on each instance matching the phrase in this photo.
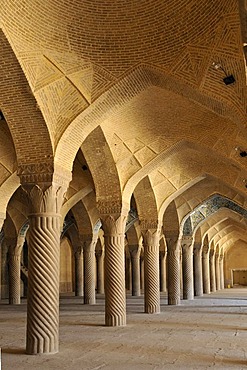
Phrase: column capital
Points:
(186, 240)
(43, 201)
(212, 253)
(114, 224)
(205, 248)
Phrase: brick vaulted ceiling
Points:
(143, 71)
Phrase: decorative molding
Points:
(35, 173)
(111, 207)
(150, 225)
(206, 209)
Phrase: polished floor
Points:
(208, 332)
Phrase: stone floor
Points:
(208, 332)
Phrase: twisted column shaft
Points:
(43, 284)
(198, 271)
(14, 278)
(212, 271)
(115, 300)
(142, 271)
(205, 270)
(100, 272)
(128, 281)
(79, 280)
(173, 255)
(222, 279)
(89, 270)
(43, 268)
(135, 263)
(163, 271)
(187, 266)
(151, 271)
(217, 271)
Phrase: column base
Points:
(173, 301)
(115, 320)
(14, 301)
(152, 309)
(89, 301)
(41, 346)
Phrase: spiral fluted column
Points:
(222, 279)
(135, 270)
(89, 243)
(100, 271)
(115, 300)
(187, 265)
(163, 282)
(79, 280)
(142, 270)
(4, 270)
(173, 258)
(217, 271)
(205, 269)
(128, 273)
(151, 236)
(198, 270)
(43, 269)
(212, 270)
(14, 278)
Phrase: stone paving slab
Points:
(207, 332)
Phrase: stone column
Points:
(142, 270)
(114, 235)
(2, 217)
(212, 270)
(198, 270)
(14, 279)
(205, 269)
(79, 279)
(173, 257)
(100, 271)
(135, 269)
(222, 279)
(128, 282)
(43, 268)
(217, 271)
(187, 265)
(89, 242)
(151, 236)
(162, 255)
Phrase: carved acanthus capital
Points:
(45, 201)
(89, 242)
(163, 254)
(151, 237)
(114, 225)
(197, 249)
(135, 250)
(78, 250)
(172, 245)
